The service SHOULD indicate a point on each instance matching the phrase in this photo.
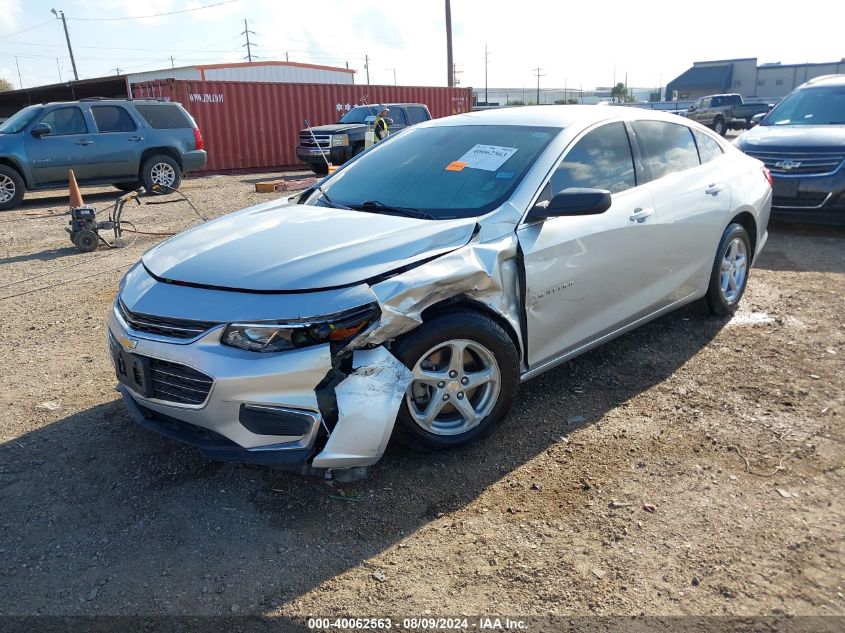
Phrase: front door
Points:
(587, 276)
(69, 145)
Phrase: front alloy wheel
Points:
(455, 386)
(734, 270)
(465, 370)
(729, 275)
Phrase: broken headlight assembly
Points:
(284, 335)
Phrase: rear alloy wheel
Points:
(466, 371)
(161, 170)
(11, 188)
(729, 276)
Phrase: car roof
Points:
(559, 116)
(108, 101)
(825, 80)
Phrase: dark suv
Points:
(802, 142)
(341, 141)
(124, 142)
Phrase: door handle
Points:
(84, 142)
(640, 215)
(136, 138)
(713, 189)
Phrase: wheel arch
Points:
(749, 223)
(464, 302)
(12, 163)
(168, 151)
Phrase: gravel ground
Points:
(694, 466)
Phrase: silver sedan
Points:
(409, 293)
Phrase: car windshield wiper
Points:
(377, 206)
(334, 205)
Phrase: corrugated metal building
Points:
(249, 125)
(264, 71)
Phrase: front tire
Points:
(719, 126)
(321, 169)
(729, 276)
(466, 372)
(161, 169)
(12, 188)
(127, 186)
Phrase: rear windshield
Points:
(446, 171)
(19, 120)
(164, 116)
(824, 105)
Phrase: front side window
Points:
(600, 160)
(112, 119)
(64, 121)
(455, 171)
(668, 147)
(397, 116)
(708, 148)
(823, 105)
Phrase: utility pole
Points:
(117, 71)
(248, 43)
(20, 81)
(450, 65)
(287, 59)
(367, 67)
(455, 73)
(539, 70)
(394, 74)
(59, 68)
(67, 37)
(172, 63)
(486, 98)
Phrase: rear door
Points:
(417, 114)
(587, 276)
(400, 120)
(691, 200)
(119, 139)
(71, 144)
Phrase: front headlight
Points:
(281, 336)
(340, 140)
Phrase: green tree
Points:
(516, 102)
(6, 85)
(619, 92)
(573, 102)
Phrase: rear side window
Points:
(668, 147)
(397, 115)
(112, 119)
(63, 121)
(600, 160)
(164, 116)
(416, 115)
(708, 149)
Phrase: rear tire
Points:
(12, 188)
(719, 126)
(466, 395)
(161, 169)
(86, 241)
(729, 276)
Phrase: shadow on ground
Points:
(102, 517)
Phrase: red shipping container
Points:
(256, 125)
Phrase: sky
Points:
(576, 45)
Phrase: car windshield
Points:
(359, 115)
(442, 171)
(19, 120)
(824, 105)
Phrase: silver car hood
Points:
(289, 247)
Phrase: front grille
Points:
(800, 164)
(324, 141)
(173, 382)
(173, 328)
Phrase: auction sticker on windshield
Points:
(487, 157)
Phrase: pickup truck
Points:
(339, 142)
(123, 142)
(725, 112)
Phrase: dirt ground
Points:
(694, 466)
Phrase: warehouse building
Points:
(746, 77)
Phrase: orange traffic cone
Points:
(75, 196)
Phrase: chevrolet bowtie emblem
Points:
(127, 342)
(788, 164)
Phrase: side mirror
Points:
(389, 121)
(41, 129)
(691, 108)
(573, 201)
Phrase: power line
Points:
(29, 28)
(154, 15)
